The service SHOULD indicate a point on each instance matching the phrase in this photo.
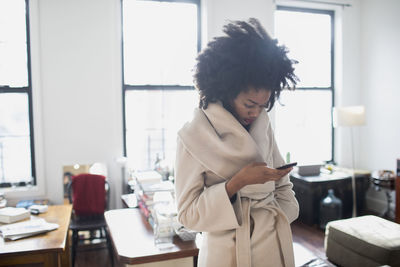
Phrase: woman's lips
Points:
(248, 121)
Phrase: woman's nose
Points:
(254, 112)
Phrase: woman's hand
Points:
(253, 173)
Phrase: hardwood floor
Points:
(94, 256)
(308, 244)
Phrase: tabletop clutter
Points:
(156, 202)
(17, 222)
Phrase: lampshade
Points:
(348, 116)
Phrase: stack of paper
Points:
(27, 228)
(11, 214)
(147, 177)
(145, 185)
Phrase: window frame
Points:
(331, 13)
(4, 89)
(128, 87)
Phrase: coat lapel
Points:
(259, 132)
(217, 140)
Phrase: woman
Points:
(226, 183)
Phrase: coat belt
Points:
(282, 226)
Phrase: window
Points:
(16, 130)
(303, 123)
(160, 44)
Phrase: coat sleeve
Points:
(284, 194)
(200, 208)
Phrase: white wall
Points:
(221, 12)
(380, 38)
(380, 93)
(80, 87)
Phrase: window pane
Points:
(308, 37)
(303, 125)
(13, 47)
(152, 121)
(160, 42)
(15, 154)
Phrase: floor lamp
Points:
(350, 117)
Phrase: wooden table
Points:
(133, 241)
(48, 249)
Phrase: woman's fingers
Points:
(285, 171)
(275, 174)
(259, 173)
(255, 164)
(282, 173)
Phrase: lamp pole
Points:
(350, 116)
(353, 175)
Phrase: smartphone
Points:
(287, 166)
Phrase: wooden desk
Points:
(133, 241)
(48, 249)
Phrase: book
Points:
(145, 177)
(144, 209)
(19, 230)
(166, 186)
(146, 192)
(11, 214)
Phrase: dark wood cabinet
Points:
(310, 190)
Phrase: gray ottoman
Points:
(366, 241)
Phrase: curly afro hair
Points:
(247, 57)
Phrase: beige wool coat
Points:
(254, 230)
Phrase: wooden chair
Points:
(89, 195)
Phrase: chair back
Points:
(88, 194)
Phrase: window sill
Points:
(21, 192)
